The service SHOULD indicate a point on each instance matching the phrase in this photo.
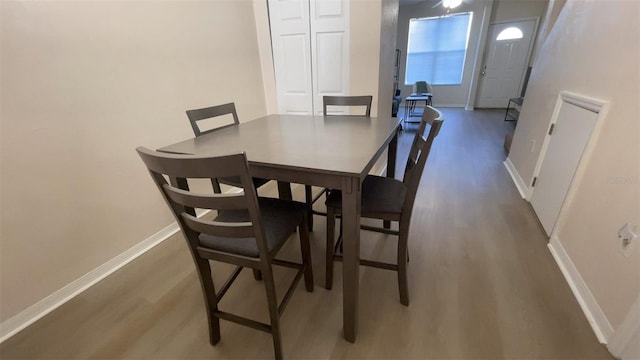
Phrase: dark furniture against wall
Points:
(388, 199)
(397, 99)
(513, 109)
(514, 104)
(248, 231)
(395, 103)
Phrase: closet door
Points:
(291, 44)
(329, 50)
(310, 43)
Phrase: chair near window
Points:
(327, 101)
(247, 232)
(209, 113)
(423, 87)
(389, 200)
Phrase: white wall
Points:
(83, 84)
(504, 10)
(593, 50)
(364, 52)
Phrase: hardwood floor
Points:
(482, 282)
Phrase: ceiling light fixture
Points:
(451, 4)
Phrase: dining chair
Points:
(247, 232)
(327, 101)
(388, 199)
(423, 87)
(211, 112)
(347, 101)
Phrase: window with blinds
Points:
(436, 49)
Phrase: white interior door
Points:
(571, 132)
(310, 42)
(505, 62)
(330, 50)
(291, 46)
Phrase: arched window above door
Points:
(510, 33)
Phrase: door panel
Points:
(330, 54)
(329, 81)
(504, 64)
(290, 36)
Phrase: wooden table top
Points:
(339, 145)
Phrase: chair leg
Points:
(306, 255)
(257, 274)
(328, 277)
(403, 284)
(210, 300)
(308, 196)
(272, 302)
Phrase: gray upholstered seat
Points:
(279, 218)
(380, 195)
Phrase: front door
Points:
(505, 61)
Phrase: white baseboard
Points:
(517, 179)
(38, 310)
(598, 321)
(43, 307)
(625, 341)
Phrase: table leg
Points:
(391, 167)
(284, 190)
(351, 194)
(406, 111)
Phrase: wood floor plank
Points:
(482, 282)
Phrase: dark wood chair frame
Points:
(416, 161)
(196, 115)
(182, 202)
(364, 100)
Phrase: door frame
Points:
(601, 108)
(529, 52)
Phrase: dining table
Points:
(334, 152)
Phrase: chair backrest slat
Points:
(419, 153)
(206, 201)
(183, 202)
(191, 166)
(347, 101)
(196, 115)
(217, 228)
